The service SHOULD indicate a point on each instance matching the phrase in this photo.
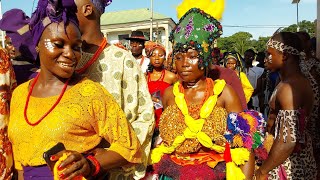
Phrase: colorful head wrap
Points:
(152, 48)
(52, 11)
(196, 29)
(230, 56)
(15, 23)
(120, 45)
(148, 46)
(101, 4)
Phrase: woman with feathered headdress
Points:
(199, 139)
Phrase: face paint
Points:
(49, 45)
(193, 61)
(269, 59)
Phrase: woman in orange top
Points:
(61, 106)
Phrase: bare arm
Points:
(231, 100)
(248, 167)
(167, 96)
(232, 104)
(172, 78)
(281, 148)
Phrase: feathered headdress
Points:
(198, 27)
(214, 9)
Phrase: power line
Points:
(255, 26)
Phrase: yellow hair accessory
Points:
(215, 9)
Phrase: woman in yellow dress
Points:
(232, 62)
(199, 139)
(61, 106)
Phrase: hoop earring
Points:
(37, 49)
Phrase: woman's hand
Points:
(73, 166)
(154, 99)
(260, 176)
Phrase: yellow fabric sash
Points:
(194, 130)
(194, 127)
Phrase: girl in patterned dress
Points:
(291, 155)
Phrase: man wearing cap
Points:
(137, 42)
(117, 70)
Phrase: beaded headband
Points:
(285, 48)
(282, 47)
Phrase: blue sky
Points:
(237, 12)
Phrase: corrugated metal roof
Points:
(129, 16)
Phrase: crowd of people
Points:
(193, 113)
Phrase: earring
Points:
(202, 68)
(37, 49)
(270, 59)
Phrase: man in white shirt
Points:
(254, 75)
(137, 41)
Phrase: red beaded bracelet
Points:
(96, 164)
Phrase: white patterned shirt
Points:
(117, 70)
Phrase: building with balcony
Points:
(118, 25)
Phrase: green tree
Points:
(304, 25)
(241, 41)
(260, 44)
(225, 44)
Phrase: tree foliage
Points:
(239, 42)
(242, 41)
(304, 25)
(260, 44)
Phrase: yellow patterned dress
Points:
(86, 114)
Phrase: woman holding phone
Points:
(61, 106)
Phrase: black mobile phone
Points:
(54, 150)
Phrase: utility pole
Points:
(297, 2)
(151, 25)
(2, 33)
(318, 29)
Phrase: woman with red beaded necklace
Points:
(158, 78)
(61, 106)
(199, 139)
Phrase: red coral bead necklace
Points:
(54, 105)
